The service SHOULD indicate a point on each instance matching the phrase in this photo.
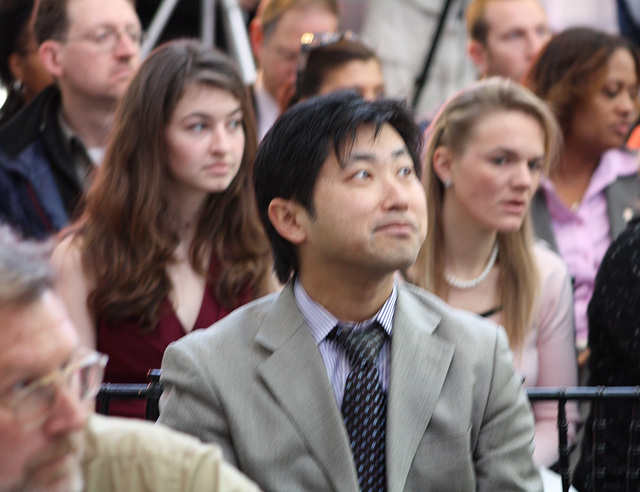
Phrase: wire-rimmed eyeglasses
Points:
(82, 376)
(107, 38)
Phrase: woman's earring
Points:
(18, 87)
(447, 183)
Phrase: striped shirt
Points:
(336, 362)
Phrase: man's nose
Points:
(126, 46)
(69, 412)
(395, 193)
(535, 42)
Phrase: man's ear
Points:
(256, 37)
(478, 54)
(15, 64)
(49, 52)
(288, 219)
(442, 164)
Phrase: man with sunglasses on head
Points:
(48, 150)
(49, 441)
(275, 34)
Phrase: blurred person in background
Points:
(504, 36)
(49, 151)
(590, 80)
(337, 60)
(21, 70)
(275, 34)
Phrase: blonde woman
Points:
(487, 150)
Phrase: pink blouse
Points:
(548, 356)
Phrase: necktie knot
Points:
(362, 346)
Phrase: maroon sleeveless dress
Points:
(133, 352)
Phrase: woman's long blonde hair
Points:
(452, 128)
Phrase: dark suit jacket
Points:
(255, 383)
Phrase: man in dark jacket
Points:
(49, 150)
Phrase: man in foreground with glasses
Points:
(48, 440)
(48, 151)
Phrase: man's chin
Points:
(58, 470)
(72, 482)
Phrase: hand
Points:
(583, 357)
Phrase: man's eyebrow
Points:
(365, 155)
(400, 152)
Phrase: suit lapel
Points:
(419, 365)
(297, 378)
(622, 196)
(541, 219)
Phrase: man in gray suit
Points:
(338, 190)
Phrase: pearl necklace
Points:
(462, 284)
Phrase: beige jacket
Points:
(137, 456)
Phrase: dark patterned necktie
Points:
(364, 405)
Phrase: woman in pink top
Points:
(488, 147)
(590, 81)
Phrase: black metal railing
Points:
(126, 391)
(596, 394)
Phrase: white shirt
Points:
(267, 108)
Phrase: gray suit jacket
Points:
(623, 200)
(255, 383)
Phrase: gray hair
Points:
(25, 273)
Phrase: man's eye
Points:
(405, 171)
(103, 36)
(362, 174)
(511, 36)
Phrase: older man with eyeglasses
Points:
(49, 150)
(49, 441)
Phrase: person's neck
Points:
(467, 246)
(91, 123)
(576, 160)
(572, 175)
(186, 209)
(347, 296)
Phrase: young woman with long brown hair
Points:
(169, 241)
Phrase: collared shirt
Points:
(582, 231)
(321, 322)
(84, 159)
(267, 108)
